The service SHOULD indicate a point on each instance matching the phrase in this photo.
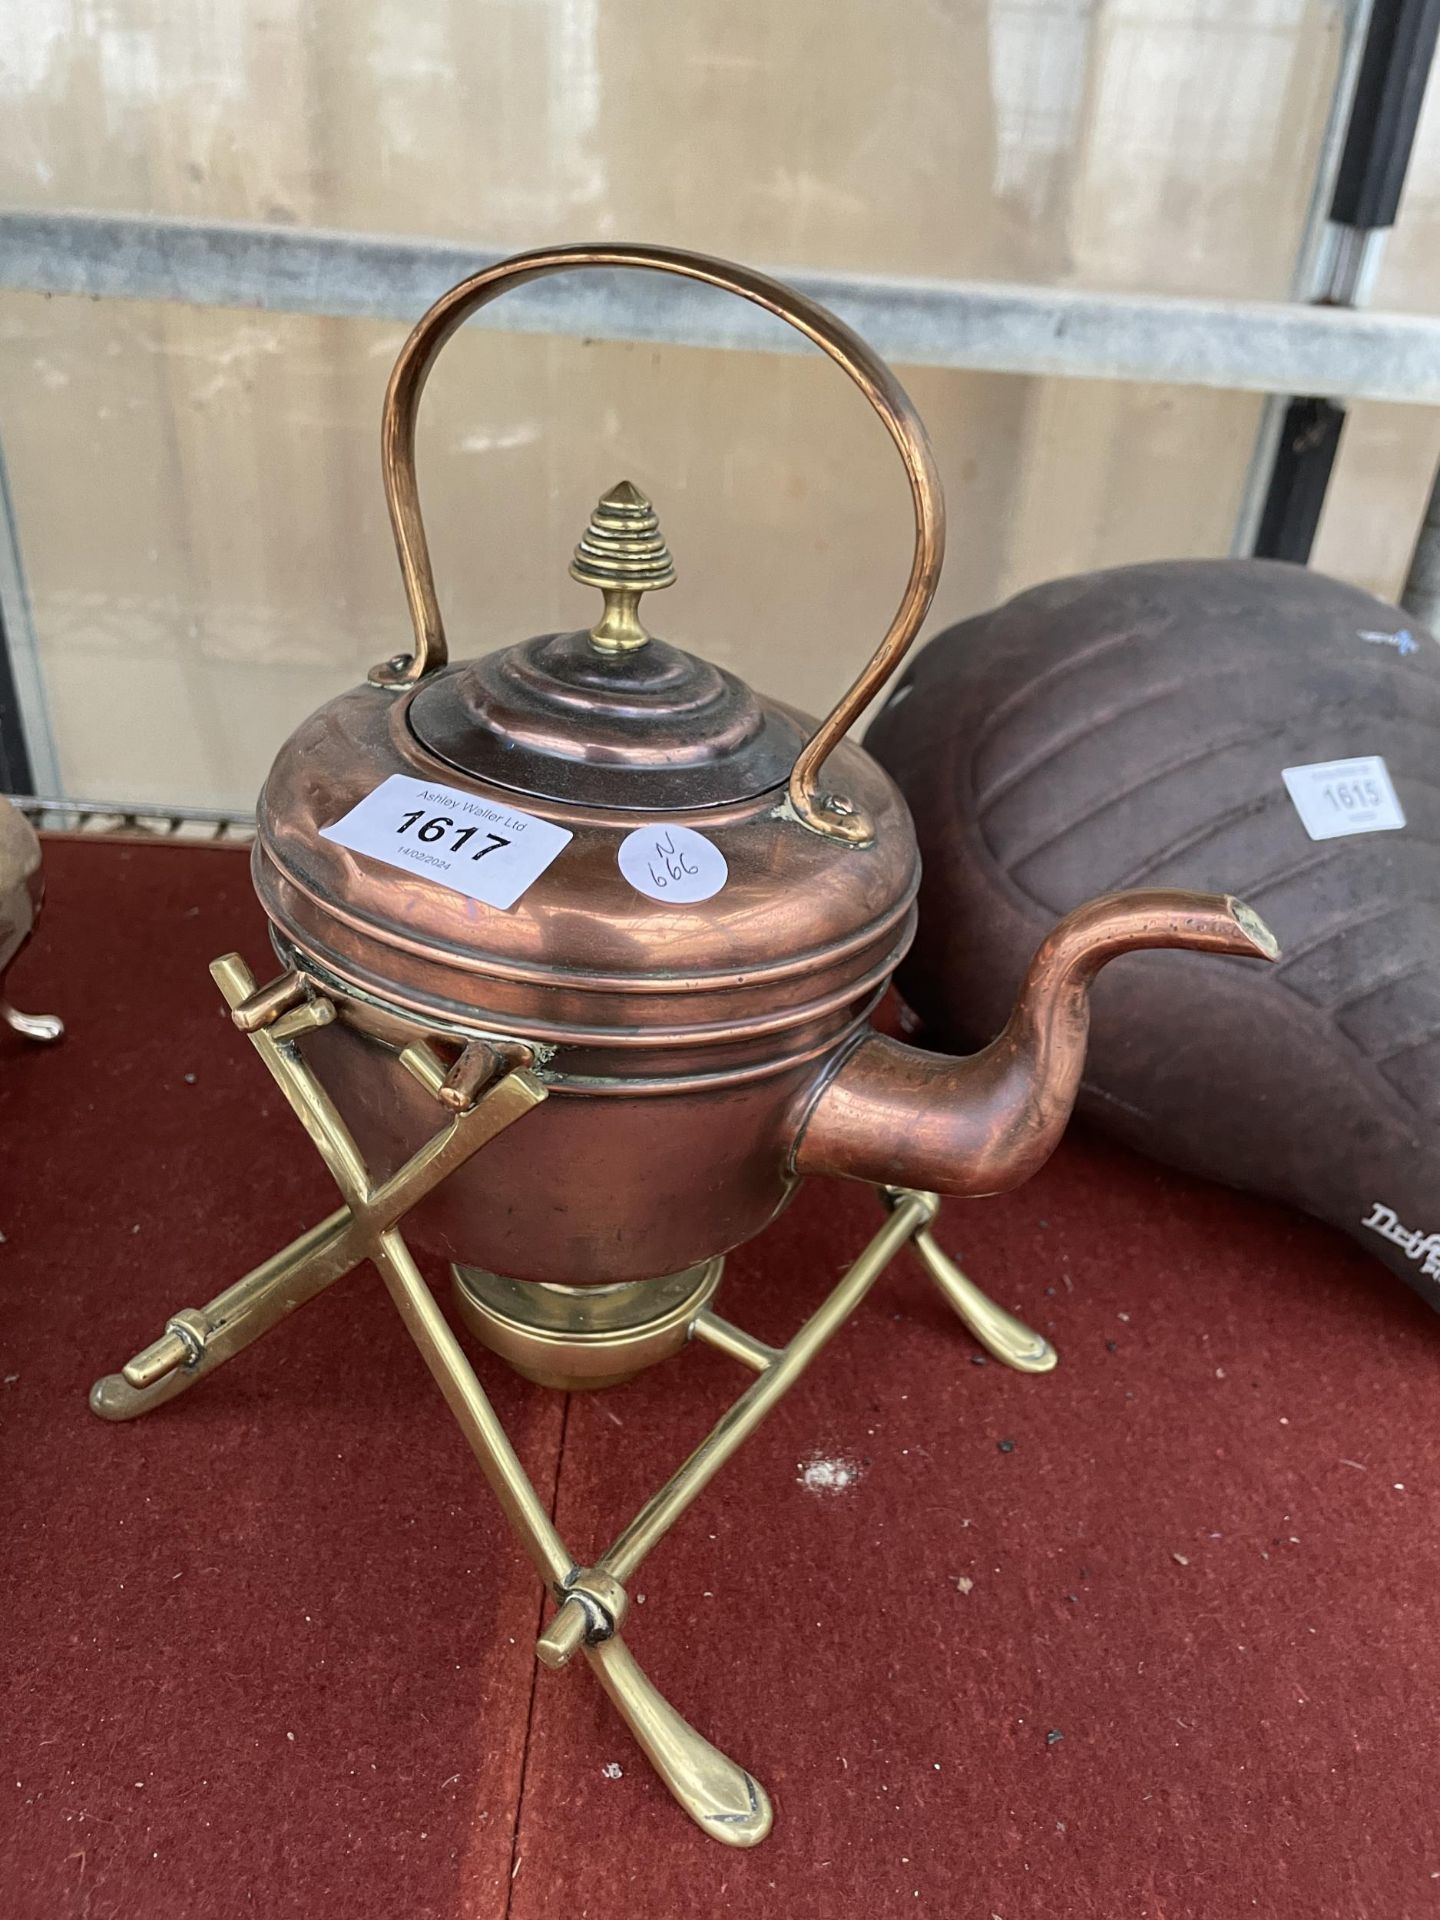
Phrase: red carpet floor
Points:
(1156, 1636)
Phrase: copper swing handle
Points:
(816, 810)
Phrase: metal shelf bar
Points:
(976, 325)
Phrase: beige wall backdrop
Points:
(197, 491)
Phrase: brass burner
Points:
(576, 1338)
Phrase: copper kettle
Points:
(624, 923)
(693, 969)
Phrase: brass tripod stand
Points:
(720, 1796)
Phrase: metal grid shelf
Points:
(128, 817)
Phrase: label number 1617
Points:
(436, 829)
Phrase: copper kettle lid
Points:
(611, 717)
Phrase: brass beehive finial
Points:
(623, 552)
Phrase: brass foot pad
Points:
(999, 1332)
(722, 1799)
(44, 1027)
(113, 1398)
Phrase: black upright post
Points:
(16, 773)
(1394, 67)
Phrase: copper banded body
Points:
(680, 1044)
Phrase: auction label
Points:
(672, 864)
(487, 852)
(1336, 797)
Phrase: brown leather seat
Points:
(1129, 728)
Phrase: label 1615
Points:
(1335, 797)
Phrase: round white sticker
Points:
(672, 863)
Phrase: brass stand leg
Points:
(999, 1332)
(196, 1342)
(718, 1795)
(778, 1371)
(475, 1416)
(722, 1799)
(714, 1791)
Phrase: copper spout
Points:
(896, 1114)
